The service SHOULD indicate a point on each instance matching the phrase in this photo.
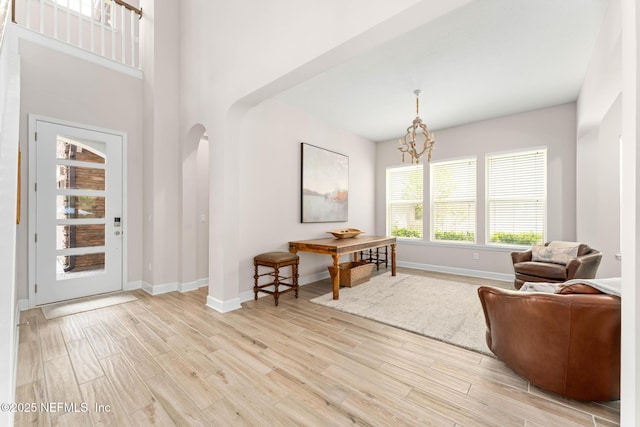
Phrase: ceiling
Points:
(487, 59)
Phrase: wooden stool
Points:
(276, 260)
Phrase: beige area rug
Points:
(65, 308)
(446, 310)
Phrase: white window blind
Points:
(516, 197)
(453, 200)
(405, 201)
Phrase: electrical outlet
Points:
(476, 255)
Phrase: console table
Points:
(337, 247)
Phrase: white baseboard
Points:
(235, 303)
(162, 288)
(313, 278)
(137, 284)
(418, 266)
(223, 306)
(191, 286)
(248, 296)
(188, 286)
(460, 271)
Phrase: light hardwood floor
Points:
(169, 360)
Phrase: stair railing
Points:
(108, 28)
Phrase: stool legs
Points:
(294, 269)
(255, 278)
(277, 283)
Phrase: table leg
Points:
(393, 259)
(334, 272)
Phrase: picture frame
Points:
(324, 190)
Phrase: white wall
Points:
(603, 79)
(552, 127)
(9, 137)
(630, 215)
(163, 154)
(270, 185)
(230, 50)
(598, 189)
(276, 44)
(599, 126)
(202, 203)
(69, 88)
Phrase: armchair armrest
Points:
(584, 267)
(517, 257)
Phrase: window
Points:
(453, 200)
(516, 197)
(405, 201)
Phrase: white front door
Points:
(78, 212)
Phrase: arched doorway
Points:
(202, 190)
(194, 254)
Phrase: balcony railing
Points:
(109, 28)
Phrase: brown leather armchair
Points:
(584, 266)
(566, 344)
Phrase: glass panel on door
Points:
(80, 236)
(85, 151)
(75, 266)
(80, 178)
(80, 207)
(77, 213)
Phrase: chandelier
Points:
(418, 139)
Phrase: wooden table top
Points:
(331, 245)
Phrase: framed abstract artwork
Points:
(325, 185)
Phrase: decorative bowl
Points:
(345, 233)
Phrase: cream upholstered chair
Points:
(555, 262)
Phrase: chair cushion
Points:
(545, 270)
(583, 249)
(554, 254)
(275, 257)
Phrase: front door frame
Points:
(33, 119)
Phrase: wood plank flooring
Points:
(169, 360)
